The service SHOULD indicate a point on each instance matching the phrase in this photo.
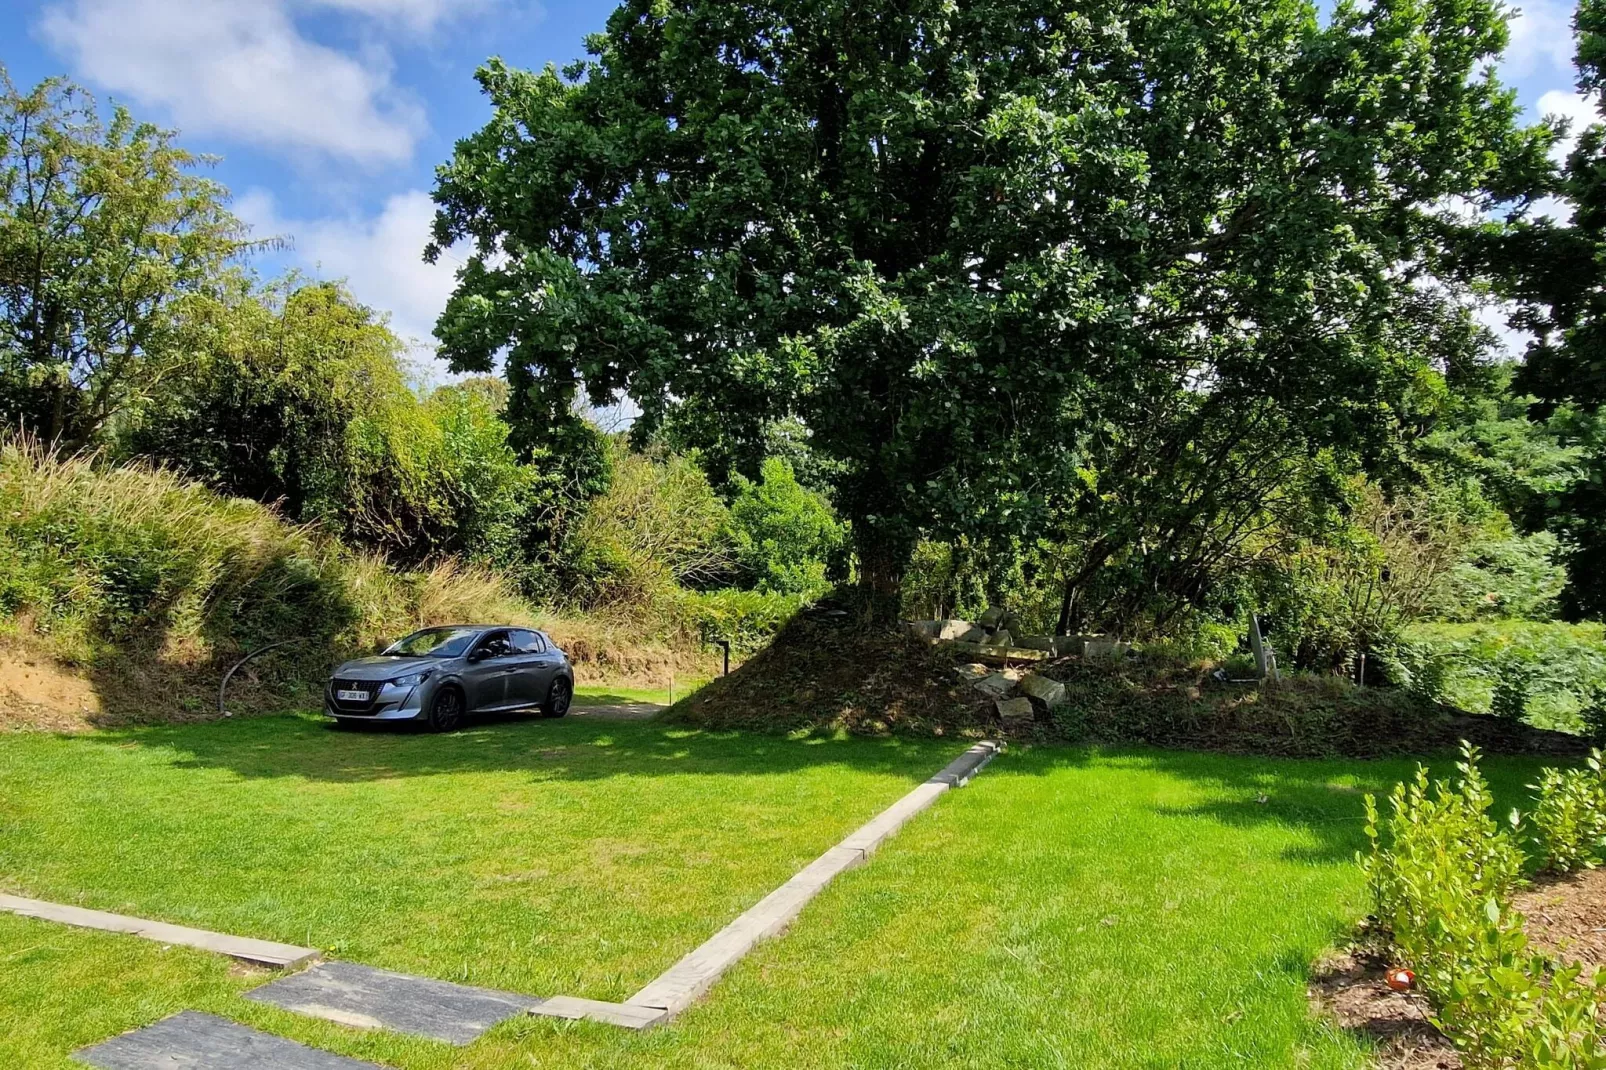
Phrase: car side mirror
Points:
(474, 656)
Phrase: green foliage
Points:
(1568, 823)
(784, 536)
(1442, 872)
(745, 619)
(1512, 690)
(297, 397)
(988, 253)
(107, 237)
(94, 557)
(1560, 666)
(659, 525)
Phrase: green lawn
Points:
(1067, 909)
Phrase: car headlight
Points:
(411, 680)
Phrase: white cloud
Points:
(418, 14)
(1541, 39)
(243, 69)
(380, 258)
(1580, 110)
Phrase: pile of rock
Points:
(1020, 697)
(1001, 631)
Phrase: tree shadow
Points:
(570, 748)
(1322, 799)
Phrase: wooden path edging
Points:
(263, 952)
(681, 985)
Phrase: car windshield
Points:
(434, 643)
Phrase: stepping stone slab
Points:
(367, 998)
(193, 1039)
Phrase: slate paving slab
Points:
(194, 1039)
(378, 999)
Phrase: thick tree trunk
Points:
(882, 559)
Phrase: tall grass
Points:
(116, 564)
(95, 557)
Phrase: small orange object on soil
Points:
(1400, 980)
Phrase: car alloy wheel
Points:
(446, 713)
(557, 699)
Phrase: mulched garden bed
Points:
(1566, 919)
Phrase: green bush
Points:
(94, 557)
(1568, 824)
(1437, 858)
(745, 619)
(784, 535)
(1442, 872)
(1561, 666)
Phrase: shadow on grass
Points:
(1323, 798)
(303, 745)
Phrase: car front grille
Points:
(337, 686)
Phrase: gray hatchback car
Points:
(439, 676)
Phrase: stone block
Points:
(972, 672)
(1048, 693)
(991, 617)
(1035, 642)
(367, 998)
(1104, 648)
(1000, 638)
(995, 684)
(924, 629)
(1015, 710)
(960, 631)
(193, 1038)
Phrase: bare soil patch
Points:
(1349, 985)
(1567, 917)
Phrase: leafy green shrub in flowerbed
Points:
(1443, 871)
(1545, 672)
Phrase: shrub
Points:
(784, 535)
(1568, 824)
(1436, 859)
(1442, 872)
(745, 619)
(1564, 665)
(1511, 692)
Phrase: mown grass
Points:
(1069, 908)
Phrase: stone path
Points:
(364, 997)
(367, 998)
(193, 1039)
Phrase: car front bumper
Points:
(389, 706)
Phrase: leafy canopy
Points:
(971, 246)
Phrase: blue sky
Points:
(330, 115)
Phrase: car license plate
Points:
(352, 696)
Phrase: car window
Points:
(434, 643)
(527, 642)
(496, 645)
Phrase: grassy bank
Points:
(1071, 907)
(146, 585)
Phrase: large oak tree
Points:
(976, 247)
